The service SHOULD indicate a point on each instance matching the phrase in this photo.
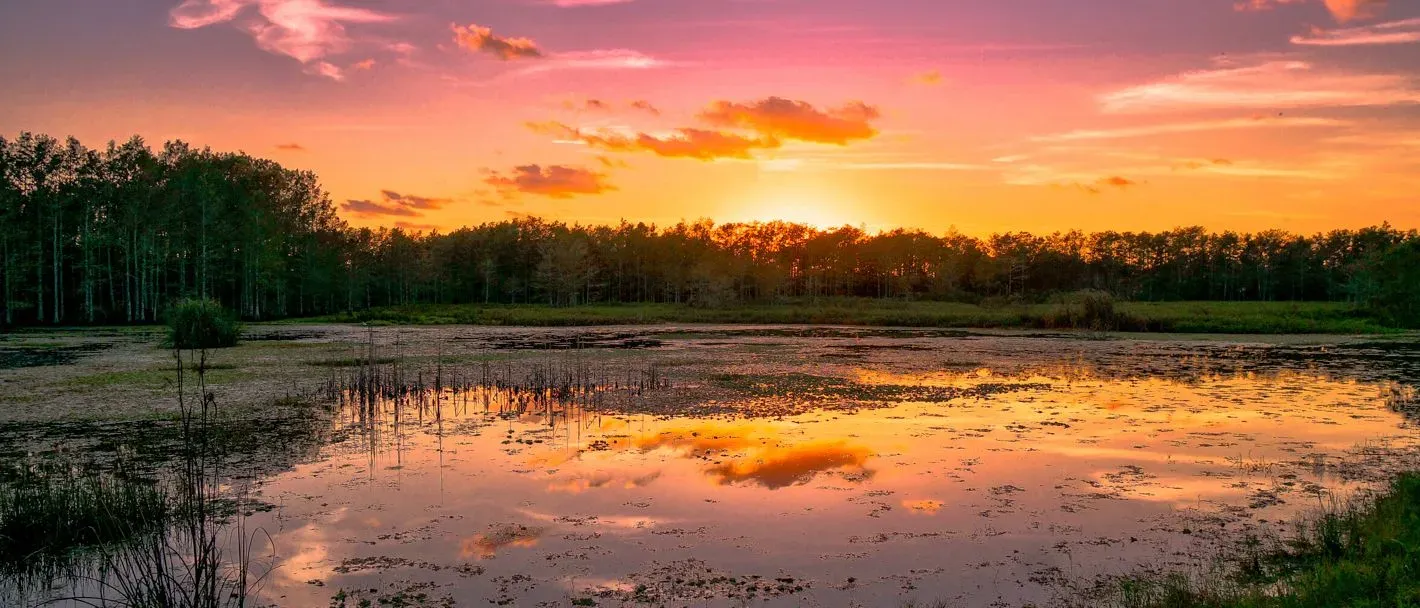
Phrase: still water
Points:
(785, 466)
(869, 480)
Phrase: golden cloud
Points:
(777, 117)
(480, 39)
(699, 144)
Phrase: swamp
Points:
(672, 465)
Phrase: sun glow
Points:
(801, 205)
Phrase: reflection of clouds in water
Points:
(765, 460)
(484, 546)
(780, 466)
(305, 551)
(601, 479)
(706, 438)
(922, 507)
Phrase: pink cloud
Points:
(554, 181)
(1391, 32)
(305, 30)
(577, 3)
(1174, 128)
(1342, 10)
(1267, 85)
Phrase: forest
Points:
(115, 235)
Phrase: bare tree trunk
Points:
(58, 285)
(9, 309)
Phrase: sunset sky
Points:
(1034, 115)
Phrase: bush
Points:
(1088, 309)
(196, 323)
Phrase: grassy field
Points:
(1360, 558)
(1182, 317)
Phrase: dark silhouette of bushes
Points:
(1391, 284)
(1091, 309)
(197, 324)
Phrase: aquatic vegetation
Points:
(1362, 554)
(54, 514)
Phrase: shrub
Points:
(1088, 309)
(196, 323)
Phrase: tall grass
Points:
(1093, 310)
(180, 542)
(54, 516)
(1072, 311)
(1359, 556)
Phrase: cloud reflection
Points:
(485, 546)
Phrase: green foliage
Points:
(1391, 284)
(1181, 317)
(194, 324)
(51, 513)
(1091, 309)
(1359, 557)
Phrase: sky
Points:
(1034, 115)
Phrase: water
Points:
(831, 470)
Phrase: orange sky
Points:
(1032, 115)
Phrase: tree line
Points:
(115, 235)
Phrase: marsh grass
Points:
(54, 516)
(1180, 317)
(1361, 555)
(181, 541)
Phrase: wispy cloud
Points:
(601, 105)
(596, 59)
(305, 30)
(580, 3)
(930, 78)
(645, 106)
(1267, 85)
(291, 147)
(554, 181)
(394, 204)
(1342, 10)
(1406, 31)
(1265, 122)
(699, 144)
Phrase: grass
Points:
(51, 513)
(152, 379)
(1360, 557)
(1180, 317)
